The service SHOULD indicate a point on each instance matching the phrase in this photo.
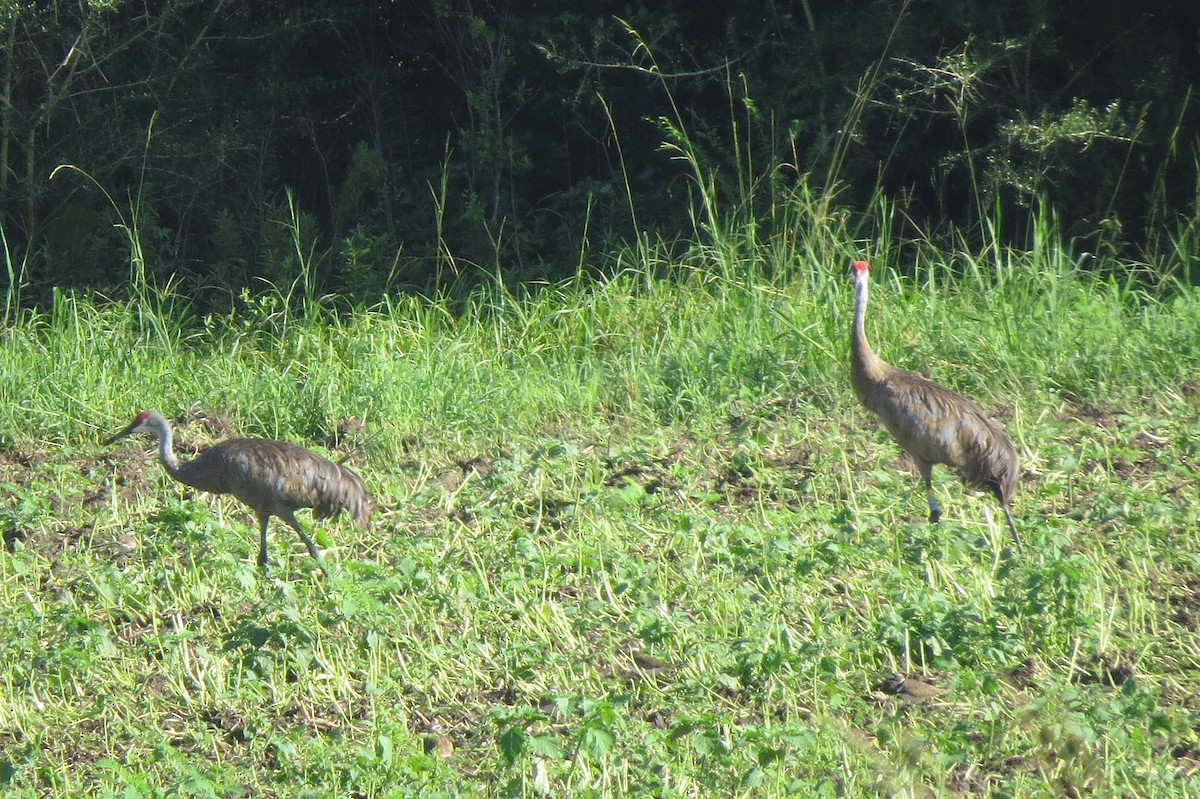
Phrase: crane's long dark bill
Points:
(119, 435)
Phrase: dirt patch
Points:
(549, 513)
(1128, 470)
(1110, 669)
(348, 430)
(653, 472)
(231, 726)
(1103, 416)
(128, 467)
(215, 427)
(16, 468)
(1022, 676)
(481, 465)
(774, 478)
(324, 718)
(1187, 761)
(130, 470)
(1185, 604)
(478, 466)
(967, 779)
(36, 493)
(731, 473)
(795, 460)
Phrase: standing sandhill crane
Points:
(931, 423)
(272, 477)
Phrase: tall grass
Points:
(658, 348)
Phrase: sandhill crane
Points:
(272, 477)
(933, 424)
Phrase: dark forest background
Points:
(408, 145)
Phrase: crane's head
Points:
(144, 422)
(858, 272)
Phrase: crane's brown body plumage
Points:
(931, 423)
(272, 477)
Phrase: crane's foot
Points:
(935, 512)
(1012, 527)
(312, 550)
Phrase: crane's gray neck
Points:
(166, 444)
(858, 336)
(862, 357)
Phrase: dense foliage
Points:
(407, 144)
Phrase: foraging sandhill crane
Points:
(931, 423)
(272, 477)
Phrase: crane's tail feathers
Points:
(347, 493)
(361, 512)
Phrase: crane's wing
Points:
(937, 425)
(277, 478)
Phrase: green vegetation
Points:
(617, 425)
(669, 460)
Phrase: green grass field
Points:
(668, 462)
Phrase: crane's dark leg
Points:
(1012, 528)
(935, 511)
(263, 519)
(308, 542)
